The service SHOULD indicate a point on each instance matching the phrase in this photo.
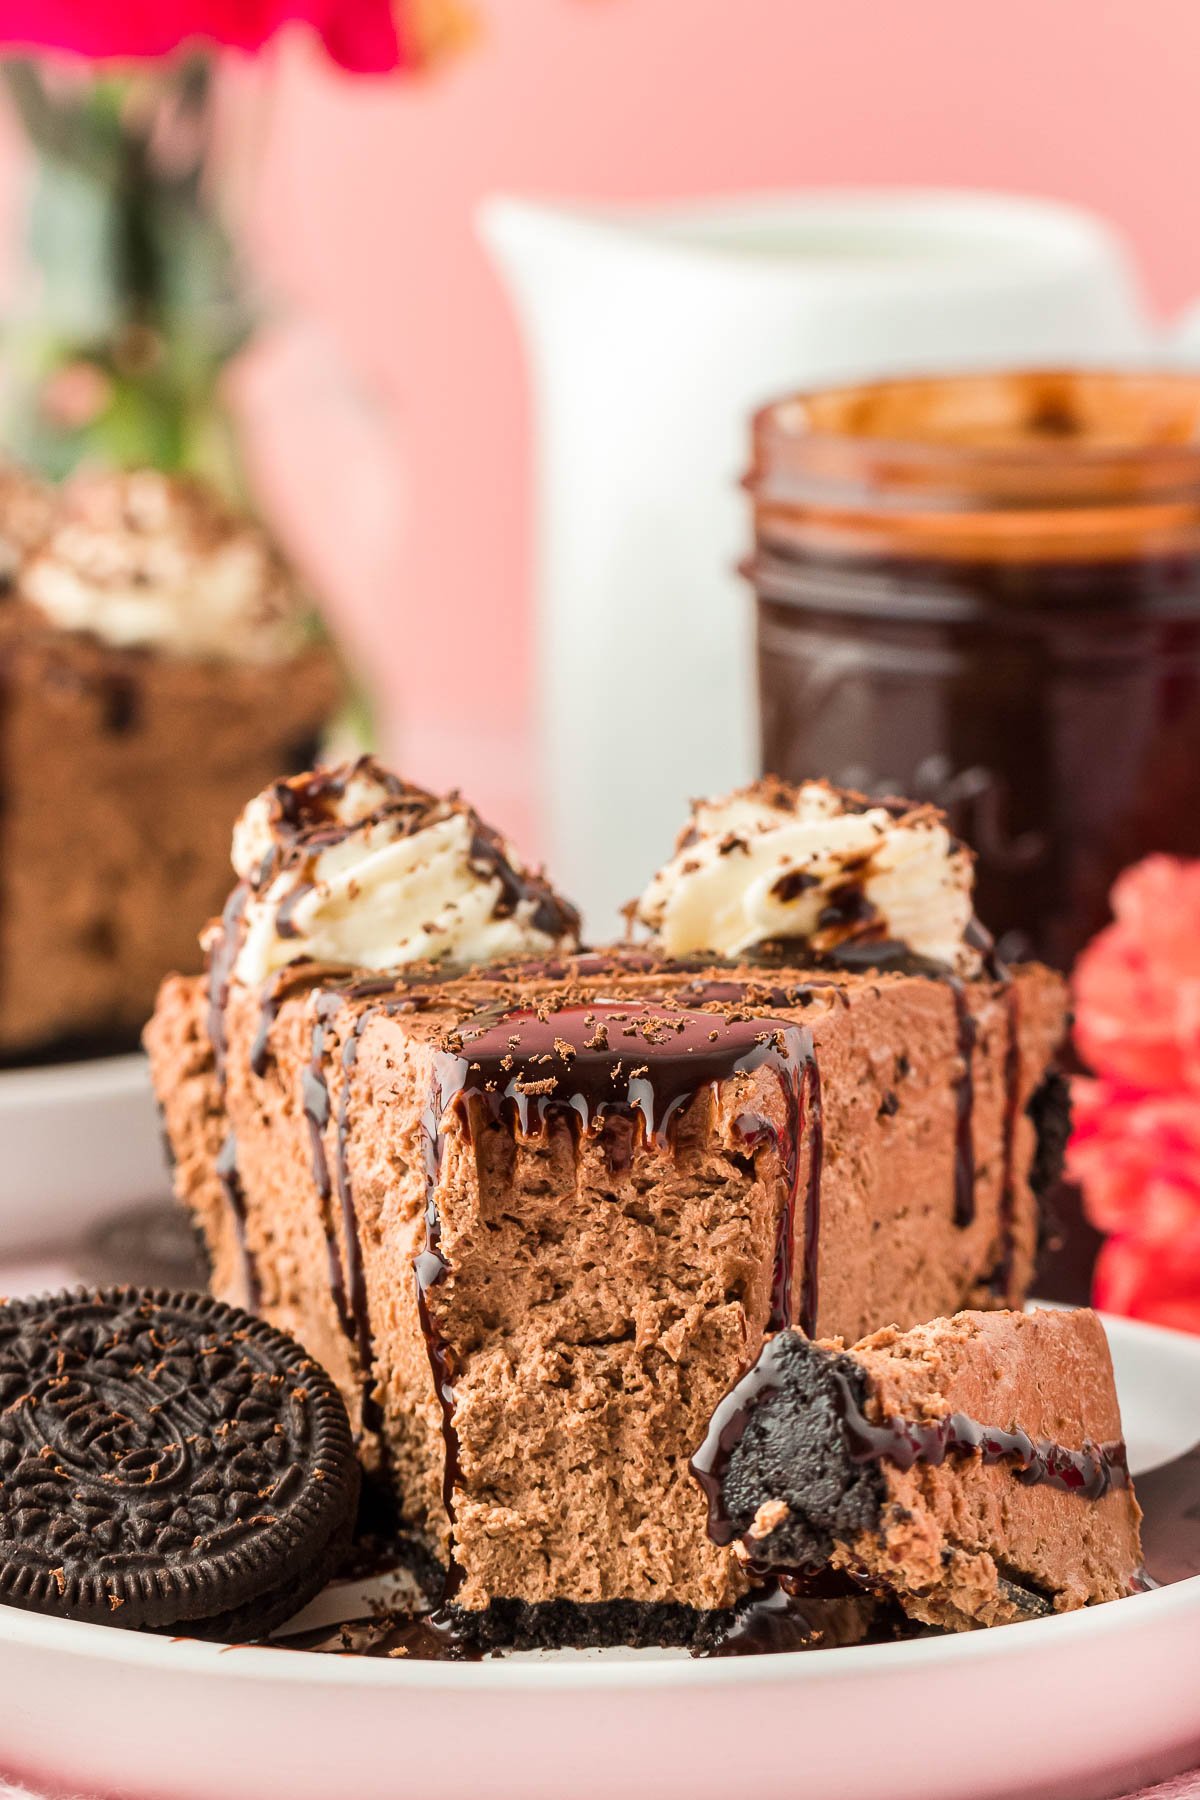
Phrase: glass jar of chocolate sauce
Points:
(985, 591)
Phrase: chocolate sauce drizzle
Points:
(270, 1001)
(221, 958)
(430, 1267)
(347, 1275)
(771, 1621)
(964, 1106)
(1090, 1472)
(426, 1637)
(226, 1171)
(644, 1063)
(1002, 1274)
(616, 1062)
(887, 956)
(355, 1281)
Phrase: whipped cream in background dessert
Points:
(352, 866)
(150, 561)
(816, 865)
(27, 508)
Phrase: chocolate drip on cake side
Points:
(268, 1011)
(890, 957)
(430, 1267)
(642, 1064)
(964, 1105)
(804, 1112)
(347, 1275)
(226, 1170)
(221, 958)
(355, 1281)
(1002, 1274)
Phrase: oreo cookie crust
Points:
(167, 1463)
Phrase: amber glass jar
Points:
(985, 591)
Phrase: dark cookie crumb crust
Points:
(793, 1449)
(570, 1625)
(1050, 1111)
(166, 1461)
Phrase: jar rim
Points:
(1040, 416)
(1055, 461)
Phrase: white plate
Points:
(78, 1141)
(1086, 1704)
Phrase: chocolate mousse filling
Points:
(623, 1072)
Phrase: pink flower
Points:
(75, 394)
(362, 35)
(1137, 985)
(1135, 1149)
(1136, 1156)
(1142, 1282)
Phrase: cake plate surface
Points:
(78, 1141)
(1083, 1705)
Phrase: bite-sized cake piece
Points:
(153, 668)
(535, 1215)
(972, 1469)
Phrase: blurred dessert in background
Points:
(26, 513)
(157, 663)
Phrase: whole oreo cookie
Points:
(167, 1463)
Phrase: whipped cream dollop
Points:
(815, 865)
(146, 560)
(352, 866)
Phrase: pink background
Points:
(363, 216)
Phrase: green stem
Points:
(139, 279)
(57, 128)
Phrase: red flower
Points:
(1137, 985)
(1135, 1149)
(362, 35)
(1136, 1156)
(1142, 1282)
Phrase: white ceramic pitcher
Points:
(652, 335)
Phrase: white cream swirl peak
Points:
(817, 865)
(353, 867)
(143, 560)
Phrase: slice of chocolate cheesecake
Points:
(155, 663)
(972, 1468)
(535, 1208)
